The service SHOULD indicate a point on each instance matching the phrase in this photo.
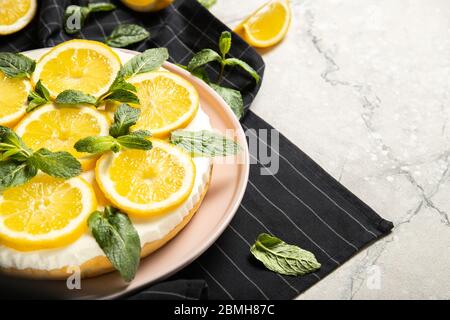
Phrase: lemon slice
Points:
(167, 102)
(45, 213)
(59, 128)
(146, 183)
(16, 14)
(266, 26)
(84, 65)
(13, 99)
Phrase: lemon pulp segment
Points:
(146, 177)
(13, 98)
(13, 10)
(146, 183)
(87, 74)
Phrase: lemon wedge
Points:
(167, 102)
(266, 26)
(45, 213)
(146, 183)
(59, 128)
(84, 65)
(16, 14)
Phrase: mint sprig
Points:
(202, 58)
(119, 240)
(16, 65)
(19, 164)
(75, 16)
(120, 135)
(206, 56)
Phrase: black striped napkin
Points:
(301, 203)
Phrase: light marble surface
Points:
(363, 87)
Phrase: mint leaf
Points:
(126, 34)
(225, 43)
(204, 143)
(283, 258)
(38, 97)
(121, 91)
(19, 164)
(16, 65)
(119, 240)
(124, 118)
(101, 7)
(14, 173)
(149, 60)
(42, 91)
(75, 16)
(124, 96)
(232, 97)
(207, 3)
(121, 83)
(96, 145)
(198, 72)
(56, 164)
(134, 141)
(201, 74)
(202, 58)
(35, 101)
(9, 140)
(141, 133)
(244, 66)
(72, 97)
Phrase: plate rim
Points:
(240, 134)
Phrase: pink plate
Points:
(228, 184)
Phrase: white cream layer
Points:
(86, 248)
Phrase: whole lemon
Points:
(147, 5)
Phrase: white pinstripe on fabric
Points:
(240, 270)
(308, 207)
(249, 245)
(292, 222)
(101, 28)
(214, 279)
(193, 25)
(267, 229)
(307, 179)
